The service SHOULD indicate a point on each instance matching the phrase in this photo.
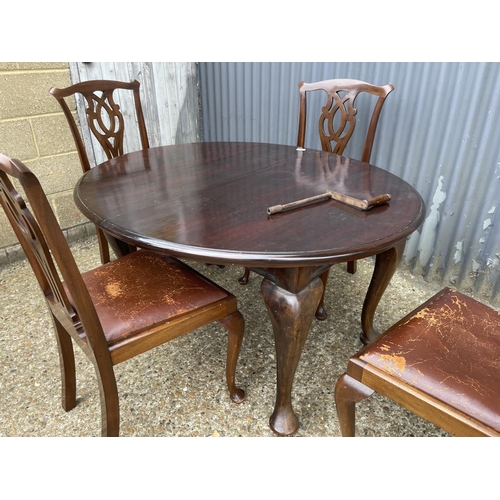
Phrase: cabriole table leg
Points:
(291, 316)
(386, 264)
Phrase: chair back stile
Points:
(43, 243)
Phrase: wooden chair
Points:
(106, 123)
(441, 362)
(118, 310)
(336, 126)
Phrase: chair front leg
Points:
(235, 325)
(108, 391)
(348, 392)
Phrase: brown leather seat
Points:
(117, 292)
(441, 362)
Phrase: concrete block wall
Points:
(34, 130)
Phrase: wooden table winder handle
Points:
(348, 200)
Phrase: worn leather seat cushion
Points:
(142, 289)
(449, 350)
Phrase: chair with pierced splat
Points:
(441, 362)
(118, 310)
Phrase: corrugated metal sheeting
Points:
(439, 130)
(169, 96)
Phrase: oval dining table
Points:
(209, 201)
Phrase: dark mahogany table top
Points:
(208, 202)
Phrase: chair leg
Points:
(245, 278)
(348, 392)
(235, 325)
(110, 407)
(67, 364)
(103, 246)
(352, 266)
(321, 314)
(120, 248)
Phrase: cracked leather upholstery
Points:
(450, 350)
(118, 291)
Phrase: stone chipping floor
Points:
(179, 388)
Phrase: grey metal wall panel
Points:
(439, 130)
(169, 96)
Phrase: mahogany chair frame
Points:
(421, 364)
(105, 122)
(75, 315)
